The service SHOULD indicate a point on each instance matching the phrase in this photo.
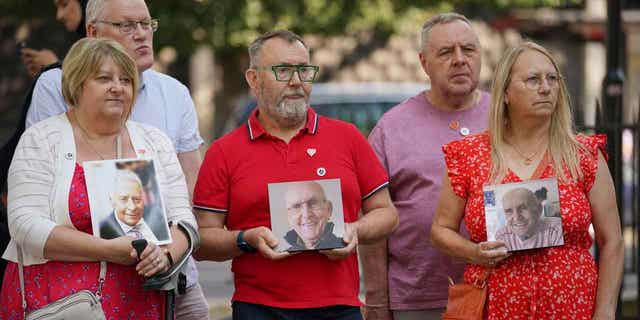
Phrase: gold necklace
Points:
(527, 160)
(85, 138)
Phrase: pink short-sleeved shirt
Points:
(407, 140)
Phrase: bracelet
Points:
(166, 251)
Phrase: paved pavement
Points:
(217, 283)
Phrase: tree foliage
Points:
(228, 26)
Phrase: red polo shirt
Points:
(233, 181)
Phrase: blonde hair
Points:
(563, 145)
(84, 60)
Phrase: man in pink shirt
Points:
(405, 277)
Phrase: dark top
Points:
(327, 241)
(110, 228)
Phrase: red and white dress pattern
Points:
(122, 295)
(548, 283)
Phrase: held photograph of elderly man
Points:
(515, 215)
(129, 206)
(313, 218)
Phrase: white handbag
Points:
(80, 305)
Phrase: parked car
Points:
(361, 103)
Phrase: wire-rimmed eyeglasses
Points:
(127, 27)
(534, 82)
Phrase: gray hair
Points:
(94, 10)
(441, 18)
(124, 175)
(256, 45)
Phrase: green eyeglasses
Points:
(284, 73)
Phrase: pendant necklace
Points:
(84, 136)
(527, 159)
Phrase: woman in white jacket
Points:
(48, 211)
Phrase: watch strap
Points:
(243, 245)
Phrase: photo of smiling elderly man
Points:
(314, 220)
(127, 199)
(521, 222)
(126, 204)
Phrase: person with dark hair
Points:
(284, 140)
(549, 208)
(71, 14)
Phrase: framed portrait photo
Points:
(525, 215)
(125, 200)
(307, 215)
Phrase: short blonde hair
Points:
(563, 145)
(84, 60)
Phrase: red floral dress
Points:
(122, 295)
(549, 283)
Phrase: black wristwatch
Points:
(243, 245)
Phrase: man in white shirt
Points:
(162, 102)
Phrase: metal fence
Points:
(624, 164)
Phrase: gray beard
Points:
(291, 114)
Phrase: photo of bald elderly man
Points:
(307, 215)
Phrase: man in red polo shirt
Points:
(285, 140)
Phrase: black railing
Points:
(624, 163)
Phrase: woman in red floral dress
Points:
(531, 137)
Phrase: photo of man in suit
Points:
(309, 214)
(128, 216)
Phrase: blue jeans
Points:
(250, 311)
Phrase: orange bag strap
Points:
(481, 282)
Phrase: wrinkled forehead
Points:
(303, 192)
(518, 197)
(280, 51)
(532, 61)
(125, 10)
(450, 34)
